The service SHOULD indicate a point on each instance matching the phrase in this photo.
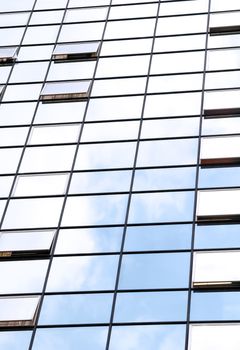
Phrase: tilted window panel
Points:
(220, 150)
(214, 336)
(221, 112)
(8, 54)
(218, 205)
(18, 311)
(216, 269)
(80, 51)
(53, 92)
(25, 243)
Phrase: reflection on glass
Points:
(32, 213)
(95, 210)
(63, 52)
(220, 150)
(52, 158)
(115, 107)
(217, 236)
(159, 179)
(216, 269)
(146, 271)
(105, 155)
(16, 113)
(69, 338)
(158, 237)
(86, 14)
(38, 185)
(60, 112)
(19, 311)
(214, 336)
(66, 90)
(83, 273)
(215, 306)
(226, 99)
(225, 23)
(110, 131)
(8, 54)
(11, 340)
(89, 240)
(25, 243)
(167, 152)
(25, 276)
(73, 309)
(218, 205)
(223, 59)
(180, 104)
(151, 306)
(222, 124)
(54, 134)
(161, 207)
(148, 337)
(100, 181)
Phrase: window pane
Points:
(60, 112)
(216, 269)
(69, 274)
(28, 242)
(75, 51)
(37, 185)
(107, 181)
(218, 205)
(18, 311)
(151, 306)
(47, 158)
(72, 309)
(153, 153)
(25, 276)
(15, 340)
(66, 90)
(95, 210)
(54, 134)
(220, 150)
(217, 236)
(31, 213)
(104, 156)
(148, 337)
(158, 237)
(215, 306)
(146, 271)
(58, 338)
(208, 337)
(161, 207)
(160, 179)
(89, 240)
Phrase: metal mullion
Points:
(188, 314)
(131, 184)
(17, 172)
(68, 186)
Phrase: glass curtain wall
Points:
(119, 174)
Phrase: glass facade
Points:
(119, 174)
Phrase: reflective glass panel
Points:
(151, 306)
(83, 273)
(72, 309)
(25, 242)
(210, 336)
(148, 337)
(158, 237)
(60, 338)
(146, 271)
(89, 240)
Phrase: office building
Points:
(119, 174)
